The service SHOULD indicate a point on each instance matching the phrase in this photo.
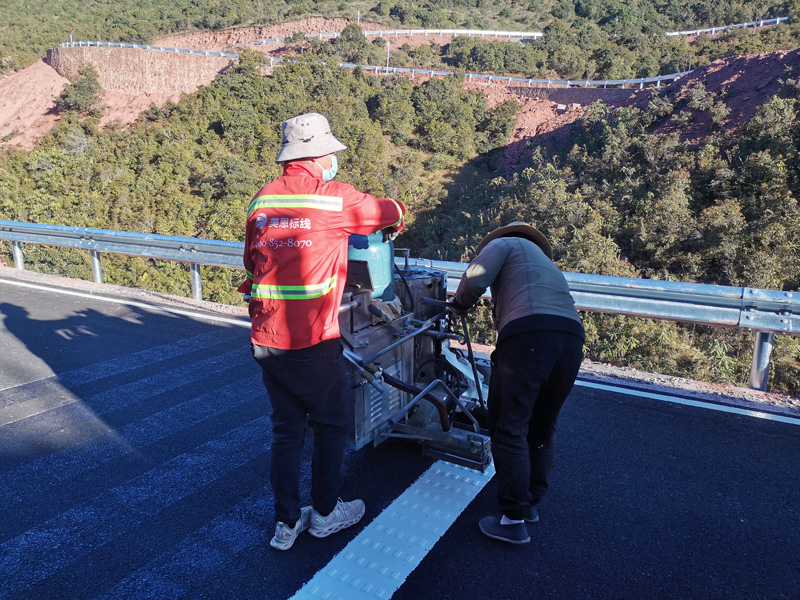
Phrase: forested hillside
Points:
(674, 186)
(29, 27)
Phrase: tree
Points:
(393, 109)
(351, 45)
(84, 94)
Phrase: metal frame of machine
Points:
(406, 381)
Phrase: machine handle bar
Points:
(432, 302)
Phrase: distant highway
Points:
(134, 452)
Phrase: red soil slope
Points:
(27, 104)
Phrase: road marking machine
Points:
(406, 380)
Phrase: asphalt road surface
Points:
(134, 452)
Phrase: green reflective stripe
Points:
(332, 203)
(293, 292)
(400, 210)
(249, 274)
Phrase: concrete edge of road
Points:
(592, 372)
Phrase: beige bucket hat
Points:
(307, 136)
(519, 228)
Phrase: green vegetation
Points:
(577, 50)
(84, 95)
(623, 201)
(581, 34)
(189, 169)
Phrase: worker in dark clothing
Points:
(295, 257)
(538, 353)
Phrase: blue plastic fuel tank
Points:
(380, 259)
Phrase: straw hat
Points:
(519, 229)
(307, 136)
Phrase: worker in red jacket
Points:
(296, 262)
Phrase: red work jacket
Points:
(295, 254)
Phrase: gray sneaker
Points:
(515, 533)
(344, 515)
(285, 535)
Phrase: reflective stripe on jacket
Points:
(296, 254)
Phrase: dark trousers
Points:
(532, 374)
(306, 386)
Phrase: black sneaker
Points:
(532, 515)
(516, 533)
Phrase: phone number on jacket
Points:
(287, 243)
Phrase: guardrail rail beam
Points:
(764, 312)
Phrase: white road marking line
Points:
(380, 558)
(697, 403)
(143, 305)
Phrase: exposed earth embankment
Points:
(135, 71)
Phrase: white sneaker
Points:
(344, 515)
(285, 535)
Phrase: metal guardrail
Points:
(584, 83)
(717, 305)
(193, 251)
(604, 83)
(713, 30)
(765, 312)
(82, 44)
(397, 33)
(640, 82)
(522, 35)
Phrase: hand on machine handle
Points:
(451, 305)
(457, 308)
(389, 234)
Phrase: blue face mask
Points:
(328, 174)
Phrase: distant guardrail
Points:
(142, 47)
(765, 312)
(500, 79)
(521, 35)
(604, 83)
(483, 33)
(713, 30)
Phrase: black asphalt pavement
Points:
(134, 452)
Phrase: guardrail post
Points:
(759, 371)
(197, 284)
(97, 267)
(19, 260)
